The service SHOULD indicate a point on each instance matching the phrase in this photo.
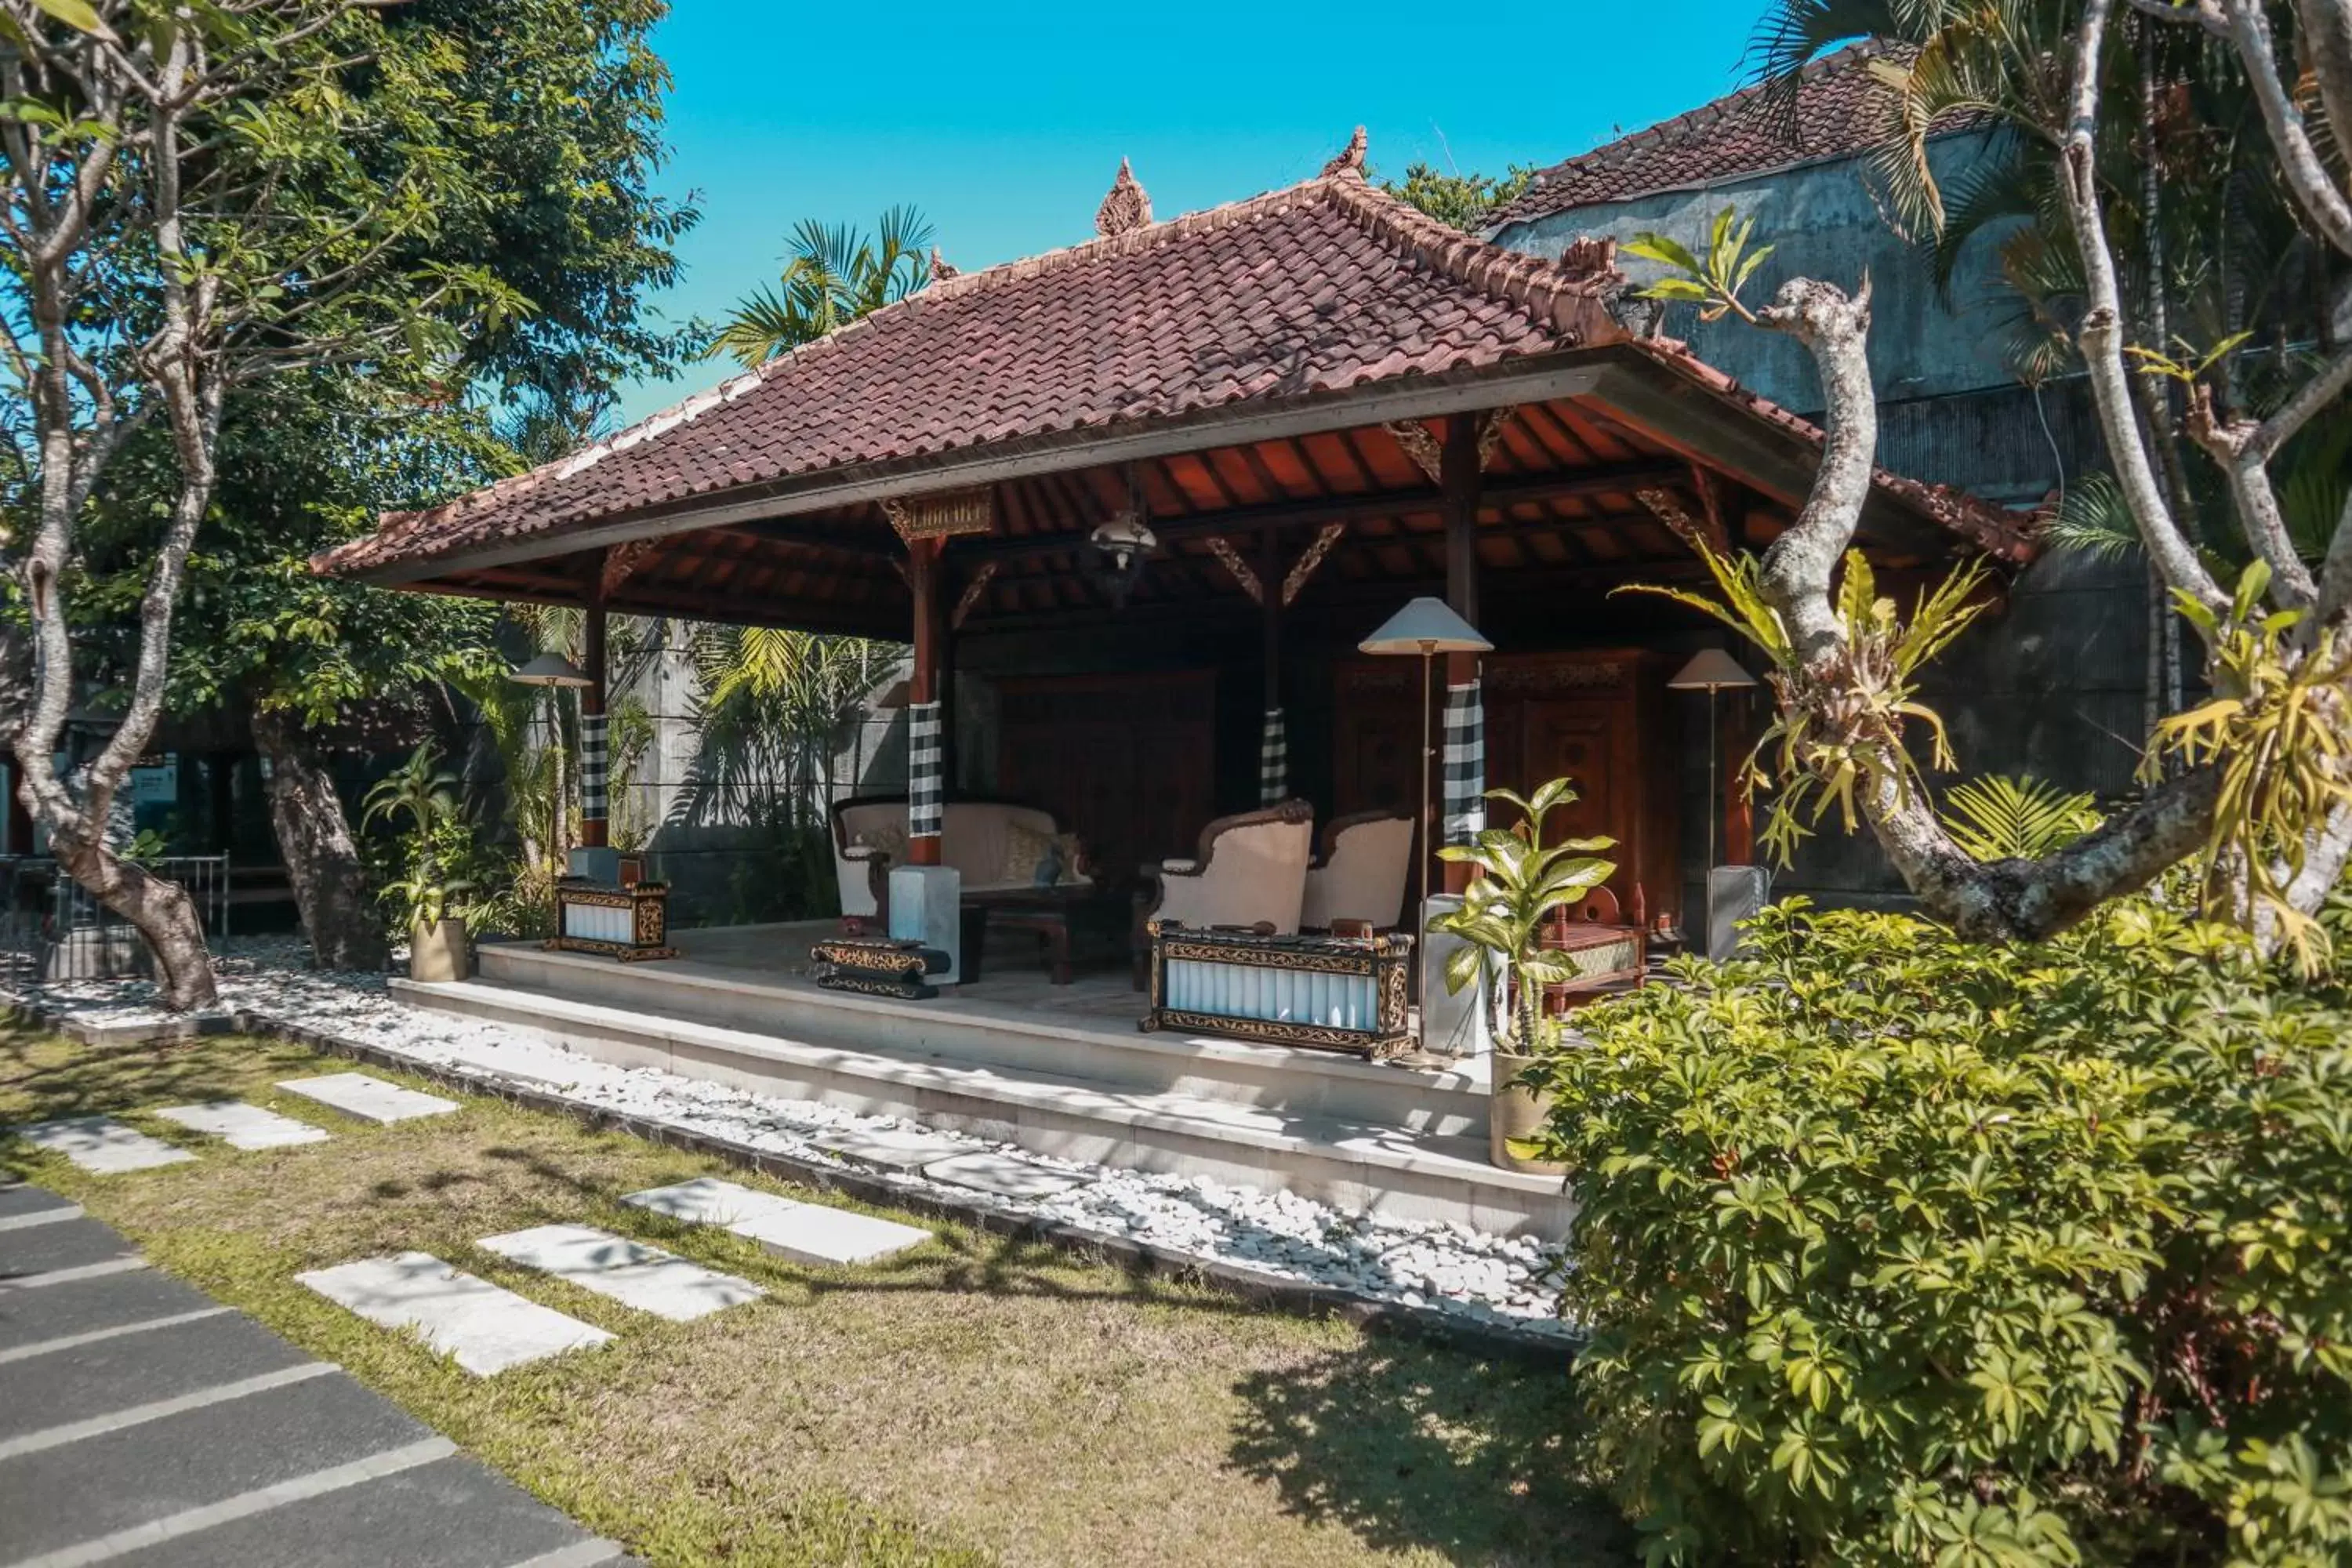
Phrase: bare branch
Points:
(2327, 206)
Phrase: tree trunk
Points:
(322, 859)
(162, 911)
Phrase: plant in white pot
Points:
(1521, 882)
(420, 799)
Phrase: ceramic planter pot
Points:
(1513, 1111)
(436, 951)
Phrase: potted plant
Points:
(420, 792)
(1521, 881)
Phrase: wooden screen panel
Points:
(1126, 761)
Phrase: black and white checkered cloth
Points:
(1274, 760)
(1465, 763)
(926, 772)
(593, 767)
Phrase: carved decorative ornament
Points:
(1303, 568)
(622, 561)
(1230, 559)
(944, 515)
(970, 599)
(941, 268)
(1126, 209)
(1349, 157)
(1490, 431)
(1668, 507)
(1419, 445)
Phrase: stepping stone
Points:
(805, 1232)
(486, 1328)
(1002, 1174)
(899, 1151)
(243, 1126)
(369, 1099)
(630, 1272)
(102, 1145)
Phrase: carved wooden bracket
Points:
(1668, 507)
(622, 561)
(1419, 445)
(1232, 561)
(970, 600)
(1309, 559)
(1490, 430)
(942, 515)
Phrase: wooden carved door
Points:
(1126, 761)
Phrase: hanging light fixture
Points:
(1117, 550)
(549, 668)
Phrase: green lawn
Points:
(976, 1400)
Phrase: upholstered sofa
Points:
(983, 839)
(1360, 872)
(1251, 870)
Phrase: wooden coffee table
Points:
(1046, 913)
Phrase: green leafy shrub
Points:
(1900, 1250)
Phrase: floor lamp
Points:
(1428, 628)
(1711, 670)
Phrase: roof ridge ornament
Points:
(1350, 158)
(942, 268)
(1125, 208)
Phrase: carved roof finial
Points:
(1350, 156)
(1125, 208)
(941, 268)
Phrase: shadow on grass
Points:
(1408, 1448)
(93, 1080)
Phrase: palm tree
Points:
(831, 277)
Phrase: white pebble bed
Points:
(1501, 1281)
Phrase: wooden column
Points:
(594, 755)
(924, 689)
(1458, 484)
(1273, 739)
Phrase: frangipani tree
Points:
(2260, 781)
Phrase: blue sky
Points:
(1007, 133)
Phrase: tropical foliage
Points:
(419, 801)
(1522, 883)
(2001, 818)
(1900, 1250)
(832, 276)
(1466, 202)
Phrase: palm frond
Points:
(2024, 819)
(2094, 520)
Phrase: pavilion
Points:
(1319, 402)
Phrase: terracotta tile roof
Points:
(1312, 289)
(1839, 109)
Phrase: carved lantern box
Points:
(1337, 993)
(630, 923)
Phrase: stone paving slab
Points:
(115, 1374)
(485, 1328)
(448, 1513)
(243, 1126)
(36, 1316)
(369, 1099)
(805, 1232)
(898, 1149)
(1002, 1174)
(102, 1145)
(630, 1272)
(71, 1244)
(60, 1497)
(23, 1202)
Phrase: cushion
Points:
(1025, 847)
(889, 838)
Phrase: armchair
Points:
(1251, 870)
(1362, 873)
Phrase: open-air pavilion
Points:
(1320, 404)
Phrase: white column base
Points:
(925, 906)
(1452, 1024)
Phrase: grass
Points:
(976, 1400)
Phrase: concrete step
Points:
(972, 1030)
(1350, 1164)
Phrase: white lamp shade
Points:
(1711, 670)
(1426, 625)
(549, 668)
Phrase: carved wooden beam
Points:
(1710, 503)
(622, 561)
(1419, 445)
(1309, 559)
(970, 599)
(1222, 548)
(1668, 508)
(1490, 432)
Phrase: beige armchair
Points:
(1362, 873)
(1251, 869)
